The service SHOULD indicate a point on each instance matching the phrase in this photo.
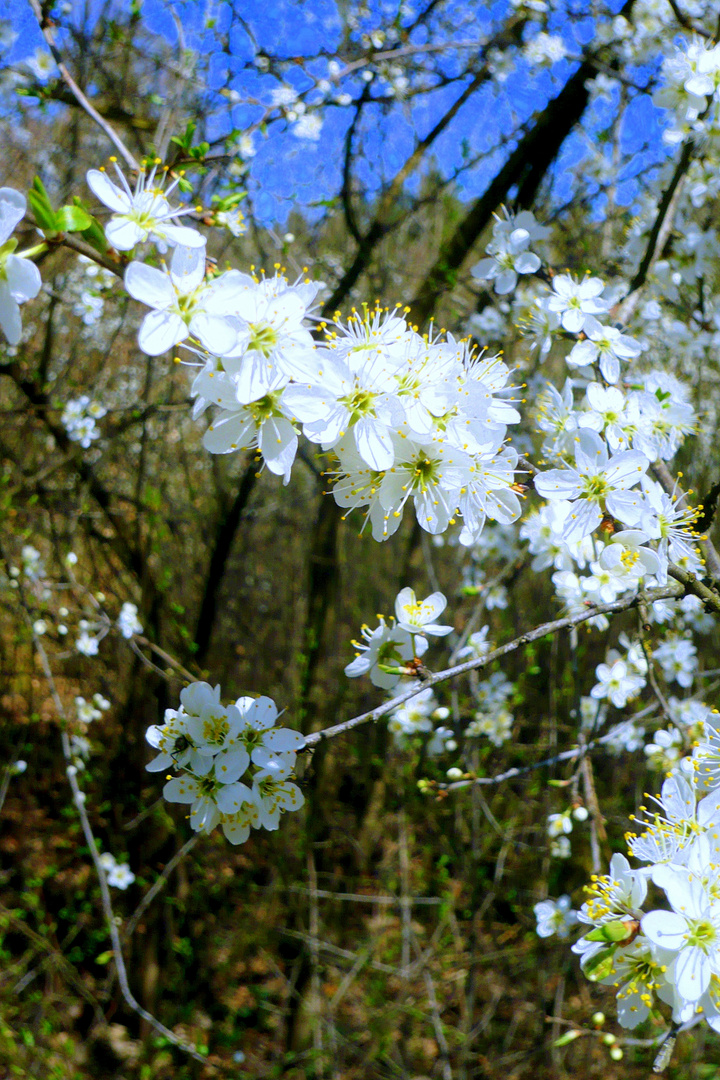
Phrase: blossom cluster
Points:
(648, 952)
(691, 90)
(417, 717)
(406, 417)
(118, 874)
(211, 746)
(492, 718)
(389, 650)
(78, 418)
(508, 251)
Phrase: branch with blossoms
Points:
(48, 32)
(536, 634)
(101, 866)
(421, 422)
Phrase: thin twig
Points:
(553, 627)
(315, 998)
(112, 926)
(46, 28)
(55, 957)
(137, 640)
(405, 896)
(158, 886)
(436, 1019)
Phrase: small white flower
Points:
(560, 848)
(86, 643)
(557, 824)
(418, 616)
(128, 622)
(308, 127)
(119, 874)
(555, 917)
(389, 646)
(508, 251)
(575, 301)
(597, 483)
(617, 683)
(143, 214)
(86, 711)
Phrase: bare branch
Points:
(129, 927)
(46, 28)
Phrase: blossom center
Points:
(701, 934)
(265, 407)
(215, 728)
(263, 338)
(595, 487)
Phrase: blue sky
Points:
(290, 172)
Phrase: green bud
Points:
(600, 965)
(568, 1037)
(617, 930)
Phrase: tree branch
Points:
(46, 28)
(554, 627)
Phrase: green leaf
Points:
(185, 141)
(72, 219)
(104, 957)
(41, 206)
(95, 236)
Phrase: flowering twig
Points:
(139, 640)
(553, 627)
(112, 926)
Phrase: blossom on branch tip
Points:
(128, 623)
(508, 251)
(386, 646)
(142, 214)
(597, 484)
(576, 302)
(418, 616)
(183, 304)
(212, 746)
